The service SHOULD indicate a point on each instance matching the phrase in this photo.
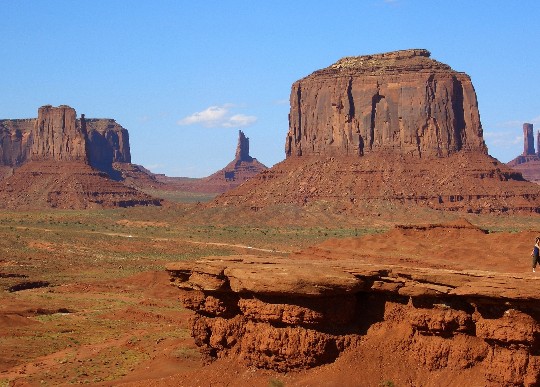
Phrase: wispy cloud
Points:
(218, 117)
(515, 124)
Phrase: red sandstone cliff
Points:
(57, 135)
(399, 101)
(106, 141)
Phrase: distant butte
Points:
(528, 163)
(396, 128)
(59, 161)
(238, 171)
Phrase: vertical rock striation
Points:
(57, 135)
(400, 101)
(528, 136)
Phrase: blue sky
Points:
(184, 76)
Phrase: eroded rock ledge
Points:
(286, 313)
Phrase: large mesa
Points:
(401, 101)
(396, 128)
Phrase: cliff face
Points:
(58, 135)
(108, 142)
(427, 318)
(54, 155)
(400, 101)
(14, 141)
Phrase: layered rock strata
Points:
(310, 309)
(67, 185)
(401, 101)
(57, 135)
(465, 181)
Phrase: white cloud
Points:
(218, 117)
(503, 139)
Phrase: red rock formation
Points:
(57, 135)
(107, 142)
(400, 101)
(528, 136)
(395, 128)
(528, 163)
(42, 184)
(338, 299)
(56, 171)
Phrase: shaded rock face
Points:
(242, 150)
(14, 140)
(400, 101)
(528, 136)
(108, 143)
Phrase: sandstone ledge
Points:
(290, 313)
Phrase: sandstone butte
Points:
(528, 163)
(60, 161)
(416, 316)
(242, 168)
(396, 128)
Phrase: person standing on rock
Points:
(535, 253)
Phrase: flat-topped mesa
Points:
(57, 135)
(400, 101)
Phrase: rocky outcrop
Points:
(14, 141)
(311, 308)
(57, 134)
(528, 139)
(528, 163)
(400, 101)
(108, 143)
(54, 167)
